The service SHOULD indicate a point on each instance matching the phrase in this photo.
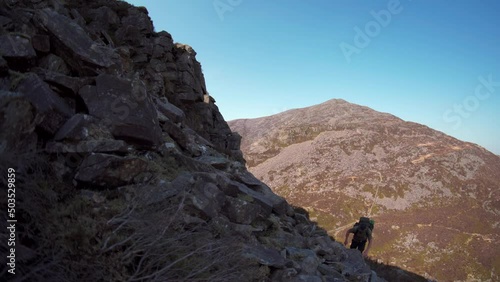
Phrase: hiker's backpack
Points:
(363, 225)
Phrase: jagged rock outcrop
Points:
(436, 199)
(128, 170)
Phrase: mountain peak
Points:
(341, 160)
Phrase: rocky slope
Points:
(436, 199)
(125, 170)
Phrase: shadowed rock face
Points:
(128, 169)
(436, 199)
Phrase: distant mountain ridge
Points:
(425, 189)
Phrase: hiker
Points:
(362, 231)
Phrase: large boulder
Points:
(17, 50)
(163, 45)
(240, 210)
(207, 199)
(237, 189)
(124, 105)
(169, 110)
(140, 19)
(67, 86)
(82, 127)
(355, 267)
(73, 44)
(279, 204)
(52, 108)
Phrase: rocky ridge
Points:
(125, 167)
(426, 190)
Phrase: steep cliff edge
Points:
(125, 170)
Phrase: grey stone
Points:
(53, 108)
(221, 225)
(278, 203)
(330, 271)
(93, 196)
(337, 266)
(129, 35)
(157, 65)
(355, 266)
(233, 188)
(171, 71)
(163, 45)
(126, 107)
(218, 162)
(233, 141)
(102, 19)
(4, 67)
(169, 110)
(161, 117)
(185, 138)
(284, 239)
(109, 171)
(73, 43)
(96, 146)
(207, 146)
(4, 21)
(152, 194)
(41, 43)
(207, 199)
(139, 19)
(189, 97)
(284, 275)
(264, 256)
(54, 63)
(240, 211)
(184, 181)
(193, 165)
(334, 278)
(17, 124)
(306, 278)
(165, 40)
(74, 129)
(323, 244)
(310, 264)
(67, 85)
(299, 254)
(375, 278)
(140, 58)
(82, 127)
(79, 19)
(245, 230)
(16, 47)
(176, 133)
(301, 218)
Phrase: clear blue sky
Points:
(431, 62)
